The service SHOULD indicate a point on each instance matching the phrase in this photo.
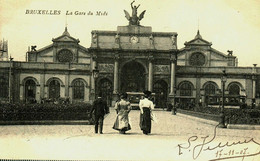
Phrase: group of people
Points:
(123, 108)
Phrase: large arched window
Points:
(78, 89)
(234, 89)
(210, 89)
(30, 89)
(210, 92)
(54, 89)
(185, 89)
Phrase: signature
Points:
(198, 149)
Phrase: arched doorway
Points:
(54, 89)
(105, 89)
(211, 96)
(132, 77)
(186, 99)
(233, 94)
(30, 91)
(78, 89)
(160, 88)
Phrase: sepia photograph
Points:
(139, 80)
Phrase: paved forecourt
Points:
(80, 142)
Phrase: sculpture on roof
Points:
(134, 20)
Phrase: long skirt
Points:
(145, 121)
(122, 121)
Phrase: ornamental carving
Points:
(65, 55)
(162, 69)
(197, 59)
(106, 68)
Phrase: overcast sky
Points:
(228, 24)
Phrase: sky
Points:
(228, 24)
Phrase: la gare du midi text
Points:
(58, 12)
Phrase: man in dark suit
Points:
(100, 108)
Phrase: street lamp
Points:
(95, 73)
(10, 77)
(223, 80)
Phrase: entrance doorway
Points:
(160, 89)
(132, 77)
(30, 91)
(105, 90)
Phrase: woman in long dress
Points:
(146, 106)
(122, 108)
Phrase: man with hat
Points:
(146, 106)
(100, 108)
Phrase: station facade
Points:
(132, 58)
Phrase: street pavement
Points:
(173, 137)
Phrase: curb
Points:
(210, 122)
(47, 122)
(245, 127)
(215, 123)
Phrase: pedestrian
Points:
(100, 108)
(122, 107)
(146, 106)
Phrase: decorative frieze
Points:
(162, 69)
(106, 68)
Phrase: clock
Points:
(134, 39)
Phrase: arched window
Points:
(30, 89)
(78, 89)
(54, 89)
(234, 89)
(186, 89)
(210, 93)
(210, 89)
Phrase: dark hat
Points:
(123, 95)
(147, 93)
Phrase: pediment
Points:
(65, 38)
(198, 41)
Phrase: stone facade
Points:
(132, 58)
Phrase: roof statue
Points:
(134, 20)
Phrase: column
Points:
(253, 89)
(42, 83)
(150, 76)
(115, 90)
(198, 87)
(92, 79)
(116, 79)
(67, 78)
(254, 81)
(172, 76)
(94, 63)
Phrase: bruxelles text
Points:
(58, 12)
(43, 12)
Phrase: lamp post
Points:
(223, 80)
(95, 73)
(10, 77)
